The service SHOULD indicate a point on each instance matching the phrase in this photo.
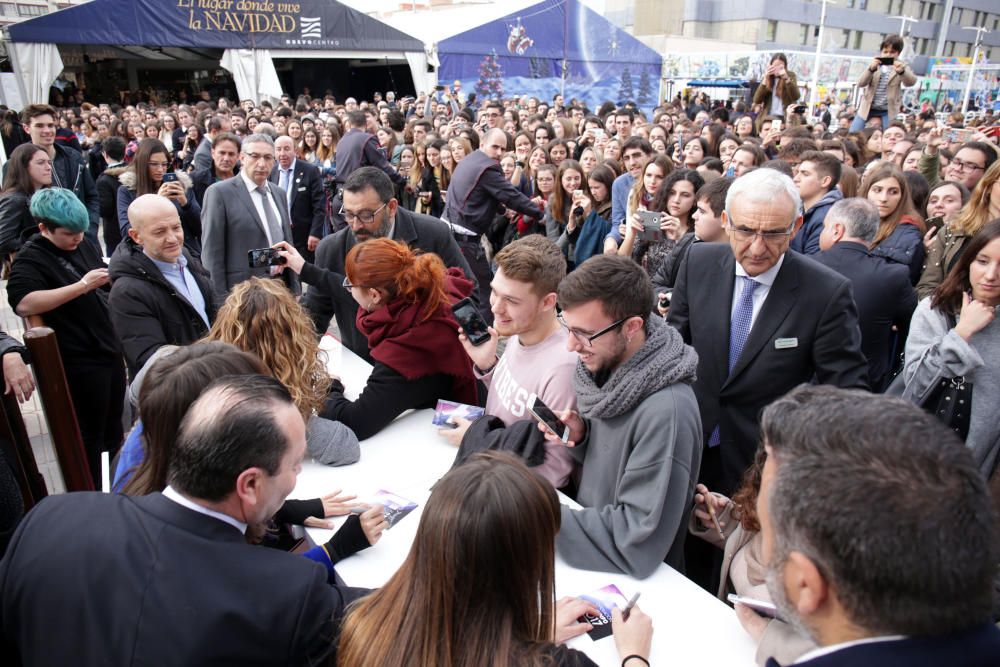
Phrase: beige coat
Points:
(869, 80)
(945, 247)
(780, 640)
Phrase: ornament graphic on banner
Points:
(518, 41)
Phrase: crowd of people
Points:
(770, 334)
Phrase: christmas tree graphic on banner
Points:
(625, 89)
(644, 94)
(490, 84)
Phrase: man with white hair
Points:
(763, 320)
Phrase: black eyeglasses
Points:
(347, 284)
(364, 217)
(584, 339)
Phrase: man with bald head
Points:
(160, 294)
(304, 197)
(477, 191)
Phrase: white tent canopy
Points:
(253, 73)
(37, 66)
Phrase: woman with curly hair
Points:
(262, 317)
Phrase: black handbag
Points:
(951, 402)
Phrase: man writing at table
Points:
(878, 532)
(637, 432)
(169, 578)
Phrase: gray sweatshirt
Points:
(935, 351)
(639, 472)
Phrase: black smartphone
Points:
(438, 87)
(935, 222)
(545, 415)
(801, 109)
(170, 177)
(886, 61)
(261, 257)
(471, 321)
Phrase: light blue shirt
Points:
(619, 204)
(184, 283)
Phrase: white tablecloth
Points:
(408, 456)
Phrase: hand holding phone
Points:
(546, 416)
(473, 325)
(651, 229)
(261, 257)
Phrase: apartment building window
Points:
(949, 48)
(803, 34)
(8, 9)
(31, 10)
(956, 16)
(850, 4)
(772, 31)
(858, 35)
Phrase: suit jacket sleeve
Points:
(318, 618)
(677, 316)
(191, 216)
(318, 199)
(376, 158)
(319, 300)
(837, 356)
(293, 281)
(504, 192)
(213, 240)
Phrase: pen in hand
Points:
(715, 518)
(628, 608)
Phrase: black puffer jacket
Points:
(146, 309)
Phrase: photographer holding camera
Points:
(882, 82)
(777, 91)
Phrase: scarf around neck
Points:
(414, 347)
(663, 360)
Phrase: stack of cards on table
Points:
(447, 409)
(605, 600)
(396, 507)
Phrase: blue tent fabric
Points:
(531, 51)
(223, 24)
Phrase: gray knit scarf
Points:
(663, 360)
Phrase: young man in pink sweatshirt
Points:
(535, 361)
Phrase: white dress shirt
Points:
(765, 281)
(173, 495)
(259, 203)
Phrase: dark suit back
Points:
(308, 205)
(98, 579)
(807, 329)
(884, 297)
(979, 647)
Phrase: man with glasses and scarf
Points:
(637, 432)
(371, 211)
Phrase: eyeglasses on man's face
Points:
(773, 238)
(364, 217)
(587, 340)
(961, 165)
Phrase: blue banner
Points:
(223, 24)
(556, 46)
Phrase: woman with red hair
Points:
(404, 310)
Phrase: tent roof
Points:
(317, 25)
(559, 29)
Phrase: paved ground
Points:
(31, 412)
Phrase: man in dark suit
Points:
(169, 578)
(878, 530)
(478, 188)
(244, 213)
(225, 165)
(356, 149)
(763, 320)
(882, 289)
(372, 212)
(304, 196)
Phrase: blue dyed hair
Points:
(59, 207)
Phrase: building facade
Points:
(853, 27)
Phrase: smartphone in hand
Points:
(544, 414)
(261, 257)
(472, 323)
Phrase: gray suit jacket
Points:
(231, 227)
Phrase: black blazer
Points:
(884, 297)
(978, 647)
(105, 579)
(308, 205)
(809, 311)
(327, 297)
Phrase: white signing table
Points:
(691, 627)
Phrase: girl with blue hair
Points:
(57, 276)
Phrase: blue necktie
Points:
(739, 331)
(285, 184)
